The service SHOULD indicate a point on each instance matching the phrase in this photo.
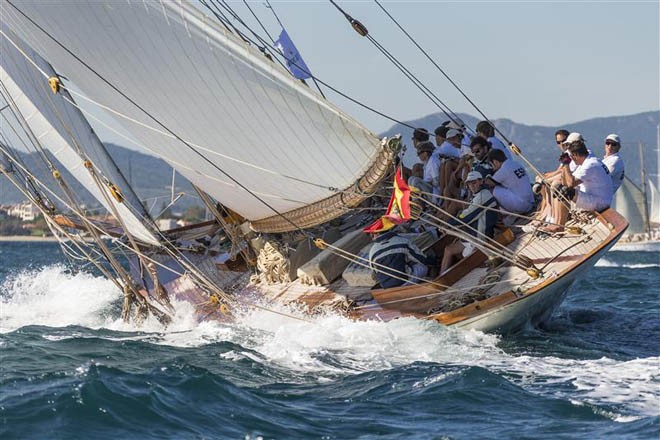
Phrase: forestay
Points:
(57, 124)
(240, 114)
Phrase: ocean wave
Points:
(53, 296)
(604, 262)
(328, 346)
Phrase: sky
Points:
(534, 62)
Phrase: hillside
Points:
(150, 177)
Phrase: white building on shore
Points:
(26, 211)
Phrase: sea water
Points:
(71, 369)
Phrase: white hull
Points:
(638, 246)
(533, 309)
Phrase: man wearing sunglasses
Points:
(613, 161)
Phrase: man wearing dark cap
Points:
(440, 136)
(420, 135)
(431, 181)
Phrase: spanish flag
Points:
(398, 210)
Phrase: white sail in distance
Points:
(629, 201)
(242, 117)
(654, 197)
(57, 124)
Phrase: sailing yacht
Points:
(640, 205)
(290, 178)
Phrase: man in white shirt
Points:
(510, 183)
(591, 181)
(440, 136)
(613, 161)
(451, 147)
(430, 183)
(572, 138)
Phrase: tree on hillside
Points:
(12, 226)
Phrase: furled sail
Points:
(629, 201)
(654, 209)
(231, 121)
(61, 129)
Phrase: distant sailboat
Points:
(641, 207)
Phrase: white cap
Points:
(573, 137)
(613, 137)
(452, 132)
(472, 176)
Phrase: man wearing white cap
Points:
(479, 218)
(451, 147)
(575, 137)
(613, 161)
(591, 180)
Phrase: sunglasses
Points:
(611, 143)
(560, 142)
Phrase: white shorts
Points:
(509, 201)
(588, 202)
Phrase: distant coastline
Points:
(26, 238)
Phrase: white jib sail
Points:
(56, 123)
(240, 114)
(654, 196)
(629, 202)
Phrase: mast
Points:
(657, 152)
(647, 223)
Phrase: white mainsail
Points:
(243, 117)
(56, 123)
(629, 201)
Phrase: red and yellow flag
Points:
(398, 210)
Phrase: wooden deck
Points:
(459, 294)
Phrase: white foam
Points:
(604, 262)
(54, 297)
(333, 345)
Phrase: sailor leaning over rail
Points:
(393, 251)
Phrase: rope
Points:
(406, 72)
(156, 120)
(334, 89)
(167, 134)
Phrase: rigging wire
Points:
(441, 71)
(513, 147)
(258, 21)
(360, 29)
(157, 121)
(329, 86)
(88, 114)
(269, 6)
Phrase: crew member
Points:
(396, 260)
(478, 218)
(613, 161)
(590, 181)
(510, 183)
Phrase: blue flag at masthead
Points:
(293, 59)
